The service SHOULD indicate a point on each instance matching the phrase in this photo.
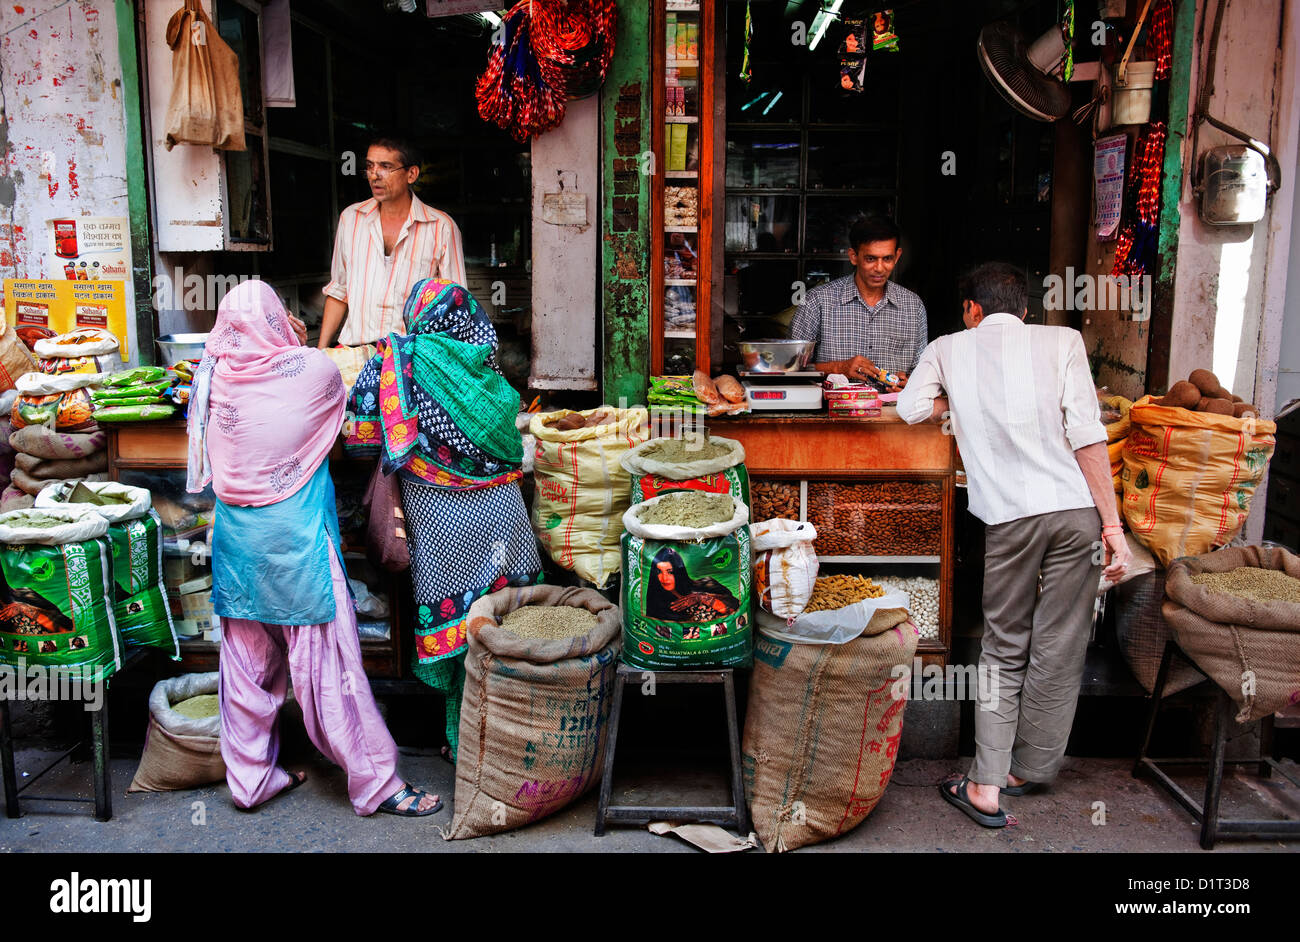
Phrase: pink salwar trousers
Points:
(330, 685)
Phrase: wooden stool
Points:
(103, 774)
(1207, 812)
(736, 814)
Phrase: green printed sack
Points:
(146, 619)
(56, 611)
(686, 592)
(712, 465)
(142, 613)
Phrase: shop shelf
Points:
(880, 518)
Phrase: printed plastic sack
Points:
(1250, 648)
(686, 593)
(1116, 434)
(60, 366)
(145, 619)
(113, 501)
(534, 714)
(652, 475)
(44, 384)
(582, 491)
(180, 752)
(67, 410)
(822, 730)
(82, 342)
(785, 565)
(55, 610)
(1189, 477)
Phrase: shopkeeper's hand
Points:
(1118, 555)
(299, 329)
(859, 369)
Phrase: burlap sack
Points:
(534, 714)
(15, 360)
(179, 752)
(1142, 634)
(822, 731)
(1250, 649)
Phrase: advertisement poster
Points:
(90, 248)
(1108, 172)
(63, 305)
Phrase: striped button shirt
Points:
(891, 334)
(373, 285)
(1022, 402)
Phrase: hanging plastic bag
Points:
(206, 106)
(785, 565)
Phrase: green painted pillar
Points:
(625, 211)
(137, 191)
(1171, 188)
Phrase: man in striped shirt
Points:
(864, 322)
(1024, 409)
(384, 245)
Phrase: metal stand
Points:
(1207, 812)
(735, 815)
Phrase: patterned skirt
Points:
(463, 545)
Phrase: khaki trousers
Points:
(1035, 640)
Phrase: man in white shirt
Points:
(384, 245)
(1024, 409)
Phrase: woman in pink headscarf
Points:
(264, 414)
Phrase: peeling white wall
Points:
(62, 133)
(1226, 285)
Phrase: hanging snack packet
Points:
(883, 37)
(853, 73)
(855, 36)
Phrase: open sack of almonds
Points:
(1236, 613)
(825, 716)
(538, 682)
(687, 571)
(689, 463)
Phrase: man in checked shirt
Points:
(863, 322)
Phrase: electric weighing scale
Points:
(782, 391)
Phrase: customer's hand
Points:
(1118, 556)
(902, 381)
(299, 329)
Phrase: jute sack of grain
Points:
(582, 490)
(1142, 633)
(180, 752)
(534, 714)
(713, 465)
(1189, 476)
(1249, 648)
(822, 730)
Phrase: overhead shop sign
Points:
(456, 7)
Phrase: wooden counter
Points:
(162, 448)
(819, 451)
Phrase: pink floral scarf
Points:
(265, 410)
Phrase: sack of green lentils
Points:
(538, 682)
(135, 539)
(687, 569)
(690, 463)
(55, 608)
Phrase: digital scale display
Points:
(767, 394)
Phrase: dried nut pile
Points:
(1251, 582)
(879, 518)
(774, 499)
(549, 622)
(924, 608)
(832, 592)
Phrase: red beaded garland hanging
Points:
(1135, 249)
(552, 50)
(1160, 43)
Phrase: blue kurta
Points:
(271, 564)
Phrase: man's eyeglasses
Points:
(383, 169)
